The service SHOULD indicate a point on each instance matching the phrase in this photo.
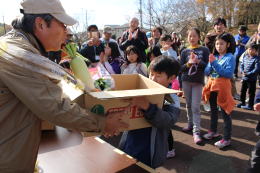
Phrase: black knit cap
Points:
(242, 27)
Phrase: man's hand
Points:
(135, 35)
(130, 36)
(114, 123)
(140, 102)
(257, 107)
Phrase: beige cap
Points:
(52, 7)
(107, 29)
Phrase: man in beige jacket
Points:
(29, 90)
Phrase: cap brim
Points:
(64, 18)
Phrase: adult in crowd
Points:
(107, 38)
(156, 35)
(241, 39)
(93, 48)
(255, 39)
(219, 28)
(136, 37)
(29, 91)
(107, 35)
(176, 42)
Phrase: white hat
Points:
(52, 7)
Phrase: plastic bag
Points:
(102, 79)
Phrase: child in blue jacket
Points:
(249, 68)
(217, 91)
(150, 145)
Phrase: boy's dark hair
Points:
(165, 64)
(27, 22)
(227, 38)
(134, 50)
(155, 50)
(165, 37)
(92, 27)
(220, 20)
(157, 28)
(253, 46)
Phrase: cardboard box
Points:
(127, 86)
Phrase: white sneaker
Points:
(171, 154)
(222, 143)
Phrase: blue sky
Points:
(100, 12)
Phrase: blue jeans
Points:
(214, 117)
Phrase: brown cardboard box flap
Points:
(132, 85)
(131, 93)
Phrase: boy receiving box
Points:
(150, 145)
(249, 68)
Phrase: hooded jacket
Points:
(26, 98)
(141, 43)
(150, 145)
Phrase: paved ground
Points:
(206, 158)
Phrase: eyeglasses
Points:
(60, 23)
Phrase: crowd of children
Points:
(203, 73)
